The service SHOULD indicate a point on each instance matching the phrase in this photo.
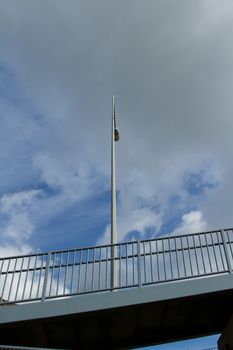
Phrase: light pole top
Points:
(116, 132)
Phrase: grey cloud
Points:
(169, 63)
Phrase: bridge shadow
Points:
(123, 319)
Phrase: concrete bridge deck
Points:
(168, 289)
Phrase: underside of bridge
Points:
(122, 319)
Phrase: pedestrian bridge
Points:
(166, 289)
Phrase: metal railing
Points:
(77, 271)
(6, 347)
(11, 347)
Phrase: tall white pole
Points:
(115, 137)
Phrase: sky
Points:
(169, 65)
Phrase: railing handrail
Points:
(139, 263)
(164, 237)
(172, 250)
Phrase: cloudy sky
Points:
(169, 64)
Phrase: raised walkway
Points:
(171, 288)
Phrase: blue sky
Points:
(194, 344)
(169, 64)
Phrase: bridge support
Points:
(225, 341)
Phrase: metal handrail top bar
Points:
(165, 237)
(162, 251)
(168, 236)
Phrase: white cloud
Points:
(17, 202)
(139, 220)
(191, 222)
(7, 250)
(16, 224)
(76, 181)
(170, 66)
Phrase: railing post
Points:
(46, 278)
(139, 265)
(228, 260)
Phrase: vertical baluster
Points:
(151, 262)
(106, 269)
(126, 252)
(195, 250)
(215, 257)
(230, 243)
(190, 258)
(59, 273)
(66, 270)
(46, 276)
(139, 264)
(106, 279)
(164, 260)
(182, 251)
(39, 281)
(25, 283)
(133, 263)
(170, 255)
(93, 270)
(220, 251)
(120, 266)
(228, 260)
(202, 255)
(72, 271)
(12, 279)
(208, 253)
(6, 276)
(2, 262)
(157, 254)
(79, 270)
(52, 272)
(86, 270)
(115, 280)
(17, 288)
(100, 259)
(144, 256)
(177, 260)
(33, 275)
(117, 264)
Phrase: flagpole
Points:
(115, 137)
